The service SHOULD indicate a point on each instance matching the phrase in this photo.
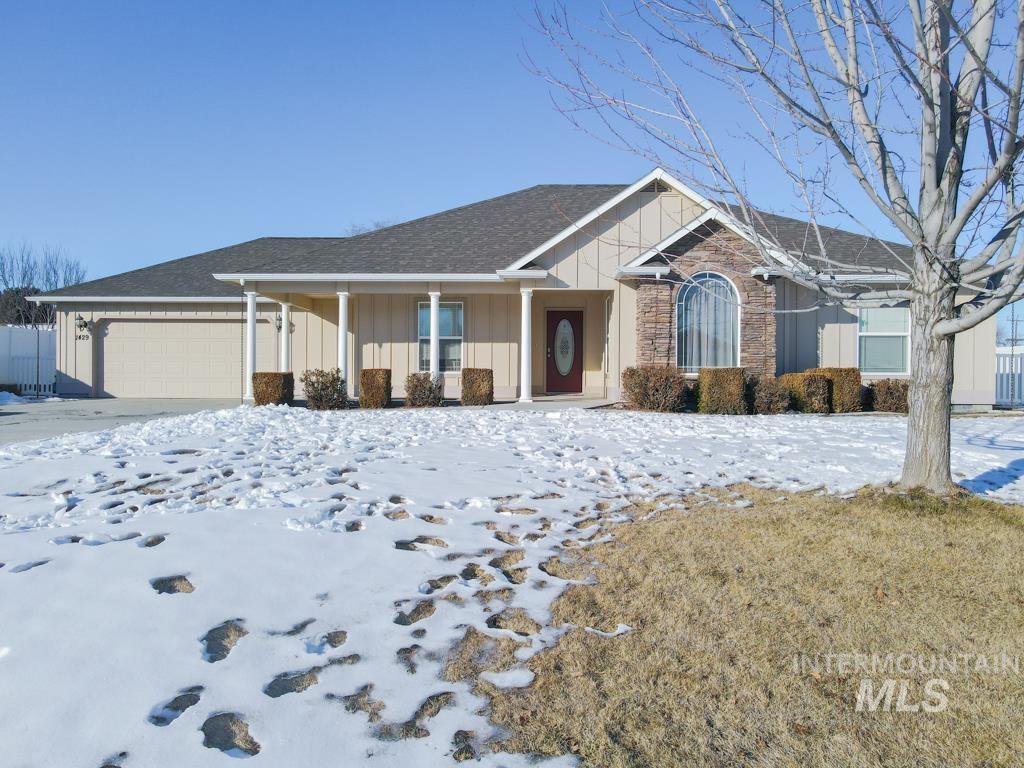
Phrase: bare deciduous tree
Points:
(373, 226)
(918, 103)
(24, 273)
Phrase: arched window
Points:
(707, 323)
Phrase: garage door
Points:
(173, 358)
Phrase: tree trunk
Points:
(931, 385)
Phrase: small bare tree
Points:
(917, 102)
(24, 273)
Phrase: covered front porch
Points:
(537, 341)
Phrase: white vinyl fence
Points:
(1010, 379)
(28, 358)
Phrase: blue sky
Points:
(135, 132)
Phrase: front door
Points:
(565, 350)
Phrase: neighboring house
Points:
(557, 288)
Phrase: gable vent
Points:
(656, 186)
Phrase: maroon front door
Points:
(565, 350)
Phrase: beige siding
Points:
(386, 337)
(796, 332)
(152, 340)
(593, 305)
(589, 260)
(831, 331)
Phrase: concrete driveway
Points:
(37, 420)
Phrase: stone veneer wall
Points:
(714, 250)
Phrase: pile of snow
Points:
(7, 398)
(284, 584)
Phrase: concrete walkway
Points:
(36, 420)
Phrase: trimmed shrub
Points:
(10, 388)
(722, 390)
(375, 388)
(273, 388)
(477, 386)
(808, 392)
(422, 391)
(890, 395)
(656, 389)
(770, 396)
(325, 389)
(846, 388)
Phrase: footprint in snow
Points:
(218, 642)
(169, 711)
(115, 761)
(296, 682)
(229, 733)
(172, 585)
(29, 566)
(295, 630)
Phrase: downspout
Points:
(241, 344)
(607, 341)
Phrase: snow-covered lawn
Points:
(294, 526)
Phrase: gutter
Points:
(816, 279)
(43, 299)
(387, 277)
(656, 271)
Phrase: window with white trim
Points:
(449, 336)
(707, 323)
(883, 340)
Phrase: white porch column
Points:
(435, 333)
(250, 341)
(343, 338)
(526, 348)
(286, 337)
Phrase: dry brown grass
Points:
(721, 599)
(477, 653)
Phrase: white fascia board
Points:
(139, 299)
(684, 230)
(354, 277)
(729, 222)
(522, 274)
(656, 175)
(652, 271)
(817, 279)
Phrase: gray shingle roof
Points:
(846, 251)
(193, 275)
(477, 238)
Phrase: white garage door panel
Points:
(178, 358)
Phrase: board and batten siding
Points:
(80, 360)
(589, 260)
(827, 337)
